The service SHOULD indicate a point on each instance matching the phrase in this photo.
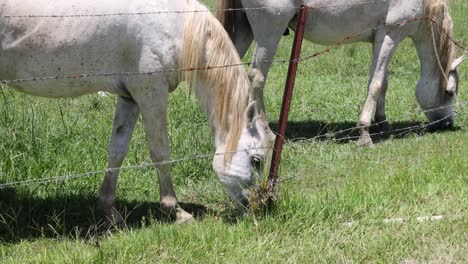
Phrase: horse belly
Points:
(327, 34)
(52, 67)
(59, 72)
(30, 48)
(333, 21)
(56, 88)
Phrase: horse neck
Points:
(431, 72)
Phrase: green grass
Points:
(324, 183)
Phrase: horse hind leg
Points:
(126, 114)
(385, 43)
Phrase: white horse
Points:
(330, 21)
(66, 45)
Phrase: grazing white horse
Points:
(68, 45)
(330, 21)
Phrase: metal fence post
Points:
(287, 97)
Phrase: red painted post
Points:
(287, 97)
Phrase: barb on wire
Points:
(126, 168)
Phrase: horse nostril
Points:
(450, 92)
(244, 202)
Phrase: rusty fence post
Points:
(287, 97)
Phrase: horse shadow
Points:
(344, 132)
(72, 215)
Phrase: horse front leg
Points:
(380, 117)
(126, 114)
(385, 43)
(153, 105)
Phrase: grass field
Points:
(326, 183)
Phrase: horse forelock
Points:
(441, 29)
(206, 44)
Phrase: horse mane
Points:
(226, 92)
(441, 33)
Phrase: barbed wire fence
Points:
(329, 137)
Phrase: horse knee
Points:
(117, 153)
(375, 87)
(364, 124)
(168, 203)
(105, 200)
(159, 155)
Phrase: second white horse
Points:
(329, 21)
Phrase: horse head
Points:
(246, 168)
(438, 105)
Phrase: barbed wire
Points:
(136, 13)
(388, 132)
(355, 128)
(350, 37)
(206, 156)
(211, 67)
(287, 178)
(159, 12)
(124, 168)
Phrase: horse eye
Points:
(256, 162)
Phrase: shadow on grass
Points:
(73, 216)
(344, 132)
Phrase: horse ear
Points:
(251, 113)
(457, 62)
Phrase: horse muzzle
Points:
(443, 124)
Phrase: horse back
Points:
(70, 44)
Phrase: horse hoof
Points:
(365, 141)
(182, 217)
(385, 127)
(113, 219)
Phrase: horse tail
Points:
(227, 18)
(440, 31)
